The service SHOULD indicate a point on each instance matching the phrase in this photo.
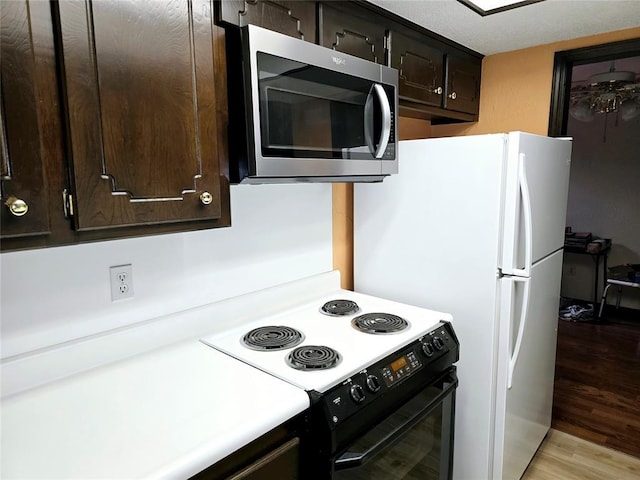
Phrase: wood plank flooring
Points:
(597, 382)
(565, 457)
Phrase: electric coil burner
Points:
(340, 308)
(376, 323)
(272, 337)
(313, 357)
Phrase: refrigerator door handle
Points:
(523, 186)
(513, 360)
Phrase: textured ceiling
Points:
(535, 24)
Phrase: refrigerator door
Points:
(526, 365)
(536, 191)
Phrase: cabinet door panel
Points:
(463, 85)
(140, 80)
(352, 33)
(281, 463)
(420, 70)
(22, 160)
(294, 18)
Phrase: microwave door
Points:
(377, 93)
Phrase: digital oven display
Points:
(398, 364)
(400, 368)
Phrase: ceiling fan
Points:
(607, 92)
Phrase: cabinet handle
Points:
(206, 198)
(16, 206)
(452, 95)
(437, 91)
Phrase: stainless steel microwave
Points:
(307, 113)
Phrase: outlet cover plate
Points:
(121, 282)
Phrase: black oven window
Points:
(416, 456)
(414, 442)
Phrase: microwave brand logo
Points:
(339, 61)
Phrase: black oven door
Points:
(415, 442)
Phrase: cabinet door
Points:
(352, 30)
(281, 463)
(420, 69)
(463, 85)
(24, 210)
(294, 18)
(142, 82)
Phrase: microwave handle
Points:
(386, 120)
(369, 111)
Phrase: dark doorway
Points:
(563, 66)
(596, 385)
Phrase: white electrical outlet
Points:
(121, 282)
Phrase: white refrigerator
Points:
(474, 226)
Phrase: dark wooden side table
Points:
(601, 254)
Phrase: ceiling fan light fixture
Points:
(606, 92)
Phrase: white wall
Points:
(604, 198)
(279, 233)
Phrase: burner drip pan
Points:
(338, 308)
(313, 357)
(272, 337)
(379, 323)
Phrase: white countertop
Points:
(169, 412)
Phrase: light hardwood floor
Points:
(565, 457)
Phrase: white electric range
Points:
(377, 373)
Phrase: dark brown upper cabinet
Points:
(351, 29)
(145, 103)
(434, 83)
(24, 211)
(294, 18)
(438, 79)
(463, 84)
(113, 121)
(420, 69)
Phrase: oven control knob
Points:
(438, 343)
(357, 393)
(427, 348)
(373, 384)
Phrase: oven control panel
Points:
(400, 368)
(424, 357)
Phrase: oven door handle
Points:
(356, 459)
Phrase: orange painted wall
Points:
(515, 95)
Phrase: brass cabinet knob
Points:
(437, 90)
(16, 206)
(206, 198)
(453, 95)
